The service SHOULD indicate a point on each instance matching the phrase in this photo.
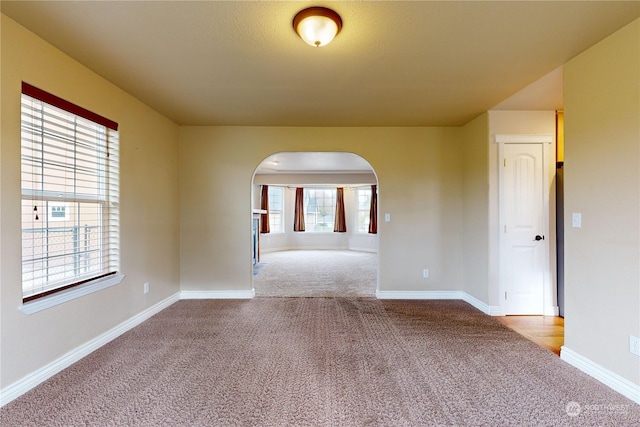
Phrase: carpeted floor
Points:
(321, 362)
(316, 273)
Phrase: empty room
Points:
(319, 213)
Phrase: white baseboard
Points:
(418, 294)
(218, 294)
(495, 310)
(25, 384)
(551, 310)
(367, 250)
(605, 376)
(427, 295)
(480, 305)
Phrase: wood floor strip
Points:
(546, 331)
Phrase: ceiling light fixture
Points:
(317, 26)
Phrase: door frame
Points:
(549, 292)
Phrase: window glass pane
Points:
(55, 252)
(276, 209)
(364, 205)
(319, 209)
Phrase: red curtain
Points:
(373, 211)
(298, 220)
(264, 205)
(340, 223)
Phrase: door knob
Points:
(539, 237)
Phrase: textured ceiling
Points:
(394, 63)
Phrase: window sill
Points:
(43, 303)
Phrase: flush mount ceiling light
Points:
(317, 26)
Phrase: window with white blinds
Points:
(69, 167)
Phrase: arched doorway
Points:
(317, 261)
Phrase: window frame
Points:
(104, 202)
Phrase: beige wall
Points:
(602, 181)
(475, 175)
(420, 185)
(148, 196)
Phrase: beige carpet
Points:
(316, 273)
(321, 362)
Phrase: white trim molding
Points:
(25, 384)
(418, 294)
(506, 138)
(495, 310)
(70, 294)
(433, 295)
(218, 294)
(551, 310)
(605, 376)
(480, 305)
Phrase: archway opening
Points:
(319, 260)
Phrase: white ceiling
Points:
(414, 63)
(314, 163)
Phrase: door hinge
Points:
(505, 228)
(505, 163)
(505, 295)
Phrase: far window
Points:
(58, 211)
(364, 206)
(276, 207)
(319, 209)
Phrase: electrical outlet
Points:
(146, 287)
(425, 273)
(634, 345)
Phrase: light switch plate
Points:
(387, 217)
(576, 220)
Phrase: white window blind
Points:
(70, 227)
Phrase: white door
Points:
(524, 244)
